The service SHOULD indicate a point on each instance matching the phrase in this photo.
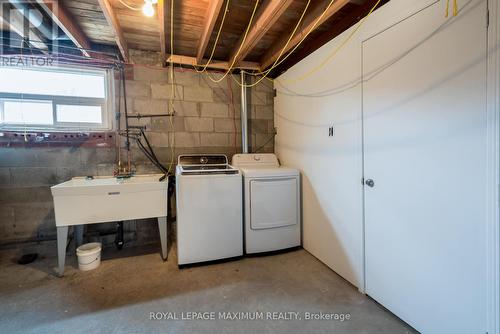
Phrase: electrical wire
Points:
(455, 8)
(324, 62)
(240, 47)
(216, 40)
(129, 6)
(266, 72)
(336, 50)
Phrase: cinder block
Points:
(95, 155)
(162, 124)
(214, 139)
(197, 124)
(13, 157)
(270, 127)
(227, 125)
(25, 195)
(160, 107)
(150, 73)
(235, 140)
(107, 169)
(264, 139)
(8, 221)
(264, 112)
(29, 218)
(257, 126)
(214, 110)
(164, 91)
(198, 93)
(159, 139)
(4, 177)
(184, 108)
(257, 98)
(55, 157)
(187, 139)
(138, 89)
(265, 86)
(222, 95)
(145, 57)
(214, 83)
(33, 176)
(186, 78)
(141, 106)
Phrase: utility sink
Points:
(81, 201)
(103, 199)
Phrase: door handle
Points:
(370, 183)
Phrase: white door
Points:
(424, 123)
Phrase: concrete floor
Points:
(119, 296)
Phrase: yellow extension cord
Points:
(239, 49)
(332, 55)
(317, 68)
(455, 8)
(215, 43)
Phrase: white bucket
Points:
(89, 256)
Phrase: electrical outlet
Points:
(331, 131)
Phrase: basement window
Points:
(64, 99)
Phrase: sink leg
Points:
(62, 239)
(162, 227)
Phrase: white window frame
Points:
(105, 103)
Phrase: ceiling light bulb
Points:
(148, 9)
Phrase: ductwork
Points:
(244, 114)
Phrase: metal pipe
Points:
(139, 116)
(244, 115)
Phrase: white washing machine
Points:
(209, 209)
(271, 197)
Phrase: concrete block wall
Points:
(206, 121)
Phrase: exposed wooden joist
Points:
(214, 64)
(267, 16)
(110, 16)
(309, 22)
(213, 11)
(345, 23)
(63, 18)
(162, 24)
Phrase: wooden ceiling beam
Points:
(214, 64)
(268, 14)
(309, 23)
(162, 8)
(318, 41)
(112, 20)
(213, 11)
(63, 18)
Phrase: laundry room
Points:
(250, 166)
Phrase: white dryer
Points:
(271, 196)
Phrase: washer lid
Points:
(269, 172)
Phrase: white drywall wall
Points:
(331, 166)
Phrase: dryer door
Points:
(273, 203)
